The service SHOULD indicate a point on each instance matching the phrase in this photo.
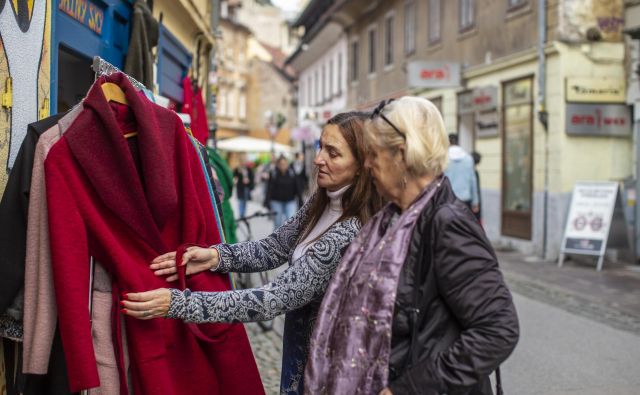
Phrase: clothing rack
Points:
(103, 68)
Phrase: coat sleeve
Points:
(304, 281)
(471, 285)
(70, 264)
(13, 232)
(266, 254)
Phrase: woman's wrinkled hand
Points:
(147, 305)
(197, 259)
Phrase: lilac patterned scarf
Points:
(350, 346)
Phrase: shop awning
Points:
(251, 144)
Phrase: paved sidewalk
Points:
(611, 296)
(267, 349)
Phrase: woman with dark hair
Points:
(312, 243)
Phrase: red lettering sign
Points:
(435, 74)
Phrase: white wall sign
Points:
(426, 74)
(596, 90)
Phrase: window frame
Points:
(388, 50)
(410, 29)
(433, 40)
(339, 73)
(513, 7)
(355, 60)
(471, 14)
(371, 50)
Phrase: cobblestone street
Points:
(267, 349)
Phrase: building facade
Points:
(233, 79)
(321, 63)
(272, 104)
(521, 82)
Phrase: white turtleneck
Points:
(328, 218)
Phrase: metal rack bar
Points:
(103, 68)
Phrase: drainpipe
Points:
(211, 108)
(543, 115)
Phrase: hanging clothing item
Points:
(13, 232)
(124, 202)
(145, 32)
(226, 181)
(194, 106)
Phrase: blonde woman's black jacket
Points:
(464, 317)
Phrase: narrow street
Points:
(570, 343)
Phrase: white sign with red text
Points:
(598, 119)
(426, 74)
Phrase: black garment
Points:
(243, 190)
(479, 213)
(13, 211)
(302, 179)
(144, 36)
(283, 187)
(467, 324)
(53, 383)
(13, 240)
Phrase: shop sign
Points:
(595, 220)
(426, 74)
(487, 123)
(85, 12)
(595, 90)
(518, 92)
(485, 98)
(598, 119)
(465, 103)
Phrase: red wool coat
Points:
(124, 202)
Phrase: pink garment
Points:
(40, 313)
(194, 106)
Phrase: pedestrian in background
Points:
(300, 171)
(243, 178)
(476, 161)
(282, 192)
(461, 174)
(418, 304)
(311, 243)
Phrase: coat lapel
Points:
(99, 146)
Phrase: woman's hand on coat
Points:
(385, 391)
(197, 259)
(147, 305)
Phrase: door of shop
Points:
(466, 121)
(81, 30)
(517, 158)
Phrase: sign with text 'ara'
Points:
(428, 74)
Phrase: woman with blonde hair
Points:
(418, 304)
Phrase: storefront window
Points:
(518, 158)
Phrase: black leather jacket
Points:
(466, 324)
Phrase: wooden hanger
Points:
(113, 92)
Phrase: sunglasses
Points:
(378, 113)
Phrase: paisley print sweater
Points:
(297, 291)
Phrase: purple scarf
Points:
(350, 346)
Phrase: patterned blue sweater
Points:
(297, 291)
